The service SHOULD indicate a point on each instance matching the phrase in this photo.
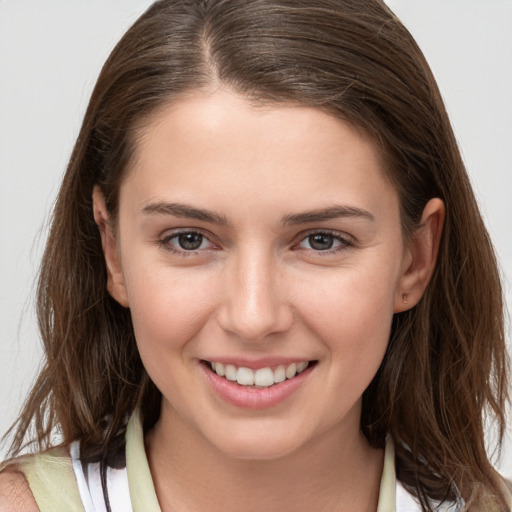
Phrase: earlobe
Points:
(421, 256)
(115, 278)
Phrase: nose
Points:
(254, 302)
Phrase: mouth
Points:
(265, 377)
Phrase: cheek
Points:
(168, 306)
(351, 313)
(168, 309)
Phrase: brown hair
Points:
(445, 368)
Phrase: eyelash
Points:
(166, 244)
(343, 241)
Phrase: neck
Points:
(335, 472)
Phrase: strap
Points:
(52, 482)
(142, 491)
(387, 497)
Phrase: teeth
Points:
(280, 374)
(219, 369)
(291, 371)
(263, 377)
(301, 366)
(245, 376)
(230, 372)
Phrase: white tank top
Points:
(91, 490)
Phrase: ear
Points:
(115, 278)
(420, 256)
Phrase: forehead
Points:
(212, 145)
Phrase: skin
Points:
(257, 288)
(15, 494)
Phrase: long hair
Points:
(445, 370)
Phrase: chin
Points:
(262, 446)
(256, 452)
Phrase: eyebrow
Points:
(185, 211)
(190, 212)
(332, 212)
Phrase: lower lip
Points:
(250, 397)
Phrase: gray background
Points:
(50, 55)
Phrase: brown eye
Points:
(186, 242)
(325, 241)
(321, 241)
(190, 241)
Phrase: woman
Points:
(267, 282)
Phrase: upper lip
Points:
(255, 364)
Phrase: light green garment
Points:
(387, 493)
(51, 478)
(142, 491)
(52, 481)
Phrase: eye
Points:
(323, 241)
(186, 241)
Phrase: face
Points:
(260, 252)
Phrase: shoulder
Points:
(15, 493)
(40, 481)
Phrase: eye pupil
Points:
(321, 242)
(190, 241)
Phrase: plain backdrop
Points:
(50, 55)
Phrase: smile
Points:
(260, 378)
